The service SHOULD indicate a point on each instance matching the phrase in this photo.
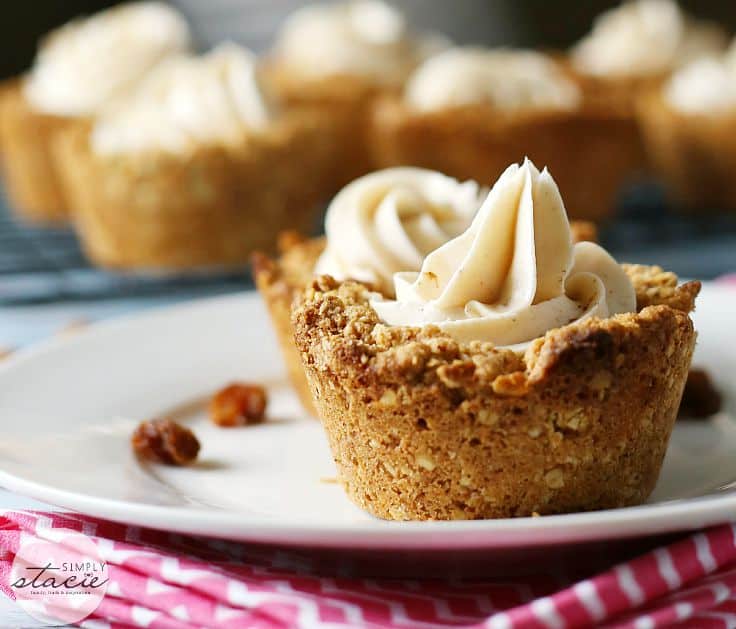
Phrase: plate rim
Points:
(588, 526)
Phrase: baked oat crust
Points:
(30, 174)
(423, 427)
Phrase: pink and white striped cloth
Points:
(166, 581)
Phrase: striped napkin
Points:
(162, 580)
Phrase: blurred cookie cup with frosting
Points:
(197, 169)
(636, 46)
(515, 373)
(336, 59)
(79, 69)
(469, 112)
(689, 126)
(376, 225)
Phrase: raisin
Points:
(700, 398)
(238, 404)
(165, 441)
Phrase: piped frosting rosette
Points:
(390, 220)
(513, 274)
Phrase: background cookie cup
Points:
(591, 151)
(694, 154)
(634, 47)
(337, 58)
(80, 68)
(26, 138)
(423, 427)
(611, 101)
(344, 102)
(211, 207)
(616, 94)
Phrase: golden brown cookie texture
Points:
(423, 427)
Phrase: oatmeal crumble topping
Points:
(656, 286)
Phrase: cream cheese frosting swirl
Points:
(390, 220)
(513, 274)
(187, 102)
(89, 62)
(362, 37)
(506, 79)
(644, 38)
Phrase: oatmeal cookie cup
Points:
(280, 280)
(26, 137)
(210, 208)
(424, 427)
(636, 46)
(592, 151)
(633, 48)
(693, 153)
(616, 95)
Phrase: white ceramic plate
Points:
(68, 408)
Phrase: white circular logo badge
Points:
(61, 581)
